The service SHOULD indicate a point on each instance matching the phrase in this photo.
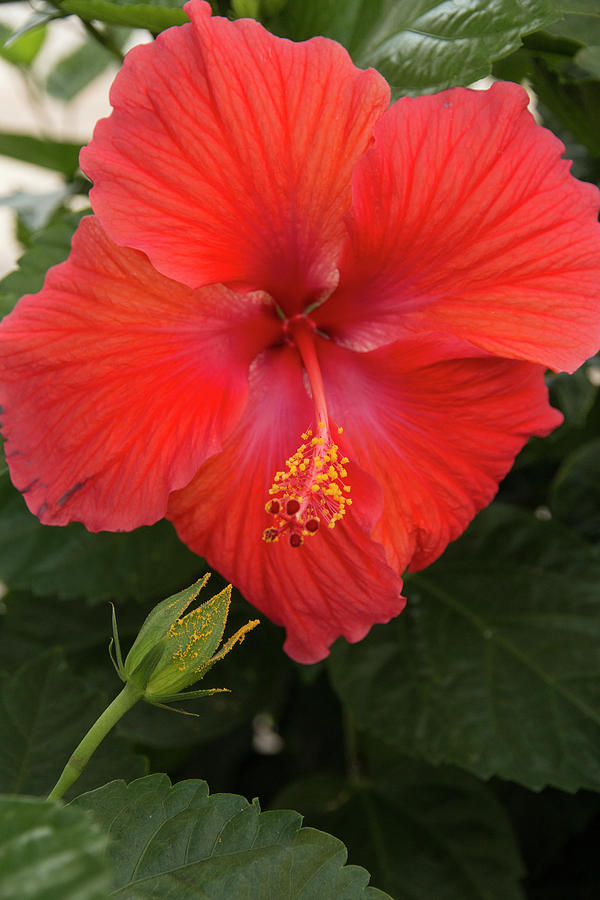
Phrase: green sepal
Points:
(188, 695)
(115, 643)
(229, 644)
(182, 712)
(111, 644)
(142, 674)
(208, 622)
(159, 622)
(189, 646)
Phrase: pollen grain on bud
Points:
(310, 490)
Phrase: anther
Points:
(311, 490)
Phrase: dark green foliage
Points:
(50, 853)
(180, 842)
(60, 156)
(421, 831)
(71, 562)
(48, 247)
(45, 710)
(493, 665)
(419, 46)
(72, 73)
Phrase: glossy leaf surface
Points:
(494, 664)
(180, 842)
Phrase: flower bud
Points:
(173, 650)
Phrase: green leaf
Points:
(50, 852)
(48, 248)
(72, 73)
(246, 9)
(180, 842)
(35, 211)
(577, 397)
(574, 394)
(35, 21)
(554, 62)
(549, 826)
(589, 58)
(419, 46)
(160, 619)
(566, 99)
(153, 14)
(422, 831)
(576, 103)
(29, 626)
(60, 156)
(69, 561)
(575, 491)
(581, 7)
(44, 712)
(22, 50)
(581, 22)
(493, 666)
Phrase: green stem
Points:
(78, 760)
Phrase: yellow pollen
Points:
(310, 491)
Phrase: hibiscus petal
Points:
(229, 153)
(338, 582)
(465, 220)
(437, 434)
(117, 383)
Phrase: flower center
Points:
(312, 488)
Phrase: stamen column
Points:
(311, 488)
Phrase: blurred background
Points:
(46, 92)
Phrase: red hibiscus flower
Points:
(309, 329)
